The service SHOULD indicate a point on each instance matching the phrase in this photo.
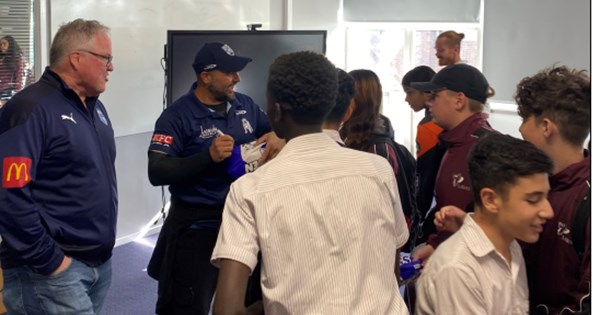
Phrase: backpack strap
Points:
(580, 220)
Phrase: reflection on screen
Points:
(262, 46)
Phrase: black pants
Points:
(181, 261)
(194, 278)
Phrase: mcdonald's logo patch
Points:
(16, 172)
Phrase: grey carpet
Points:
(132, 291)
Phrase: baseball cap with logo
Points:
(458, 78)
(218, 56)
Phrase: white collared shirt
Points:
(327, 221)
(335, 135)
(466, 275)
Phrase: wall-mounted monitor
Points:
(262, 46)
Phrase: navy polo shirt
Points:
(188, 127)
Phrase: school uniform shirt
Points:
(466, 275)
(59, 185)
(335, 135)
(327, 221)
(188, 127)
(452, 184)
(560, 279)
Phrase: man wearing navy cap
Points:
(458, 93)
(189, 151)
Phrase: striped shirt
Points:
(327, 221)
(466, 275)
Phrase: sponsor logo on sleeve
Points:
(16, 172)
(161, 139)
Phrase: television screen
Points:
(262, 46)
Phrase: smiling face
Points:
(525, 208)
(221, 85)
(446, 54)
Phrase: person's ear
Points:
(490, 200)
(74, 59)
(549, 128)
(276, 112)
(204, 77)
(461, 101)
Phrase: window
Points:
(16, 47)
(391, 50)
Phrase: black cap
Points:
(418, 74)
(458, 78)
(218, 56)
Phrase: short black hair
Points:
(304, 84)
(497, 161)
(561, 94)
(344, 96)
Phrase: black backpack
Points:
(580, 220)
(406, 176)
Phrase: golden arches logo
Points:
(16, 171)
(18, 168)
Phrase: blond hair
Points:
(452, 38)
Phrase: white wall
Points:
(522, 37)
(139, 32)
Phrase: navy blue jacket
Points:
(59, 188)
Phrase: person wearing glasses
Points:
(58, 200)
(191, 151)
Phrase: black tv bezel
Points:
(173, 33)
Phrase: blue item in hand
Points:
(410, 269)
(244, 159)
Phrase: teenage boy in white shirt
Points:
(480, 269)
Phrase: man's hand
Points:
(221, 148)
(274, 145)
(449, 218)
(66, 262)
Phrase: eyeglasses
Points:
(108, 58)
(432, 95)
